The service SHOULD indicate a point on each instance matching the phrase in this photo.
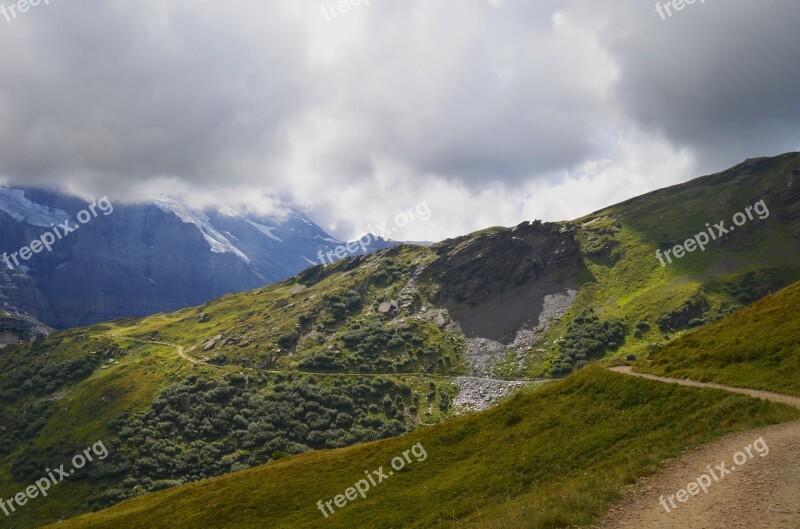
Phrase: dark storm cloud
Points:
(266, 94)
(722, 78)
(121, 91)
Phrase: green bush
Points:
(587, 338)
(324, 361)
(229, 424)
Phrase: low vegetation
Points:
(554, 457)
(756, 347)
(587, 338)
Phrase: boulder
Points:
(388, 306)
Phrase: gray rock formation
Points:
(476, 394)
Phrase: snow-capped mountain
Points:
(146, 258)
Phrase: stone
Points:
(387, 307)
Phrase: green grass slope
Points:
(624, 281)
(757, 347)
(554, 457)
(259, 379)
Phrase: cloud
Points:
(719, 78)
(492, 111)
(114, 93)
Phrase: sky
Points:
(489, 112)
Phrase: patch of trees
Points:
(370, 338)
(587, 338)
(641, 328)
(20, 423)
(341, 306)
(335, 309)
(203, 428)
(714, 314)
(323, 361)
(381, 348)
(35, 375)
(753, 286)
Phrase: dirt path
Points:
(762, 493)
(187, 357)
(183, 355)
(177, 347)
(775, 397)
(474, 393)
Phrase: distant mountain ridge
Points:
(145, 258)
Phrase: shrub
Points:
(587, 338)
(324, 360)
(229, 423)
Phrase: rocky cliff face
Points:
(22, 326)
(495, 283)
(143, 259)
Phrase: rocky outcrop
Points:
(476, 394)
(20, 326)
(695, 307)
(495, 283)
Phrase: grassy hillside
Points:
(757, 347)
(63, 395)
(625, 282)
(554, 457)
(369, 348)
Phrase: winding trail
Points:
(183, 355)
(766, 395)
(763, 493)
(474, 393)
(177, 347)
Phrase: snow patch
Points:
(19, 208)
(266, 230)
(329, 239)
(218, 242)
